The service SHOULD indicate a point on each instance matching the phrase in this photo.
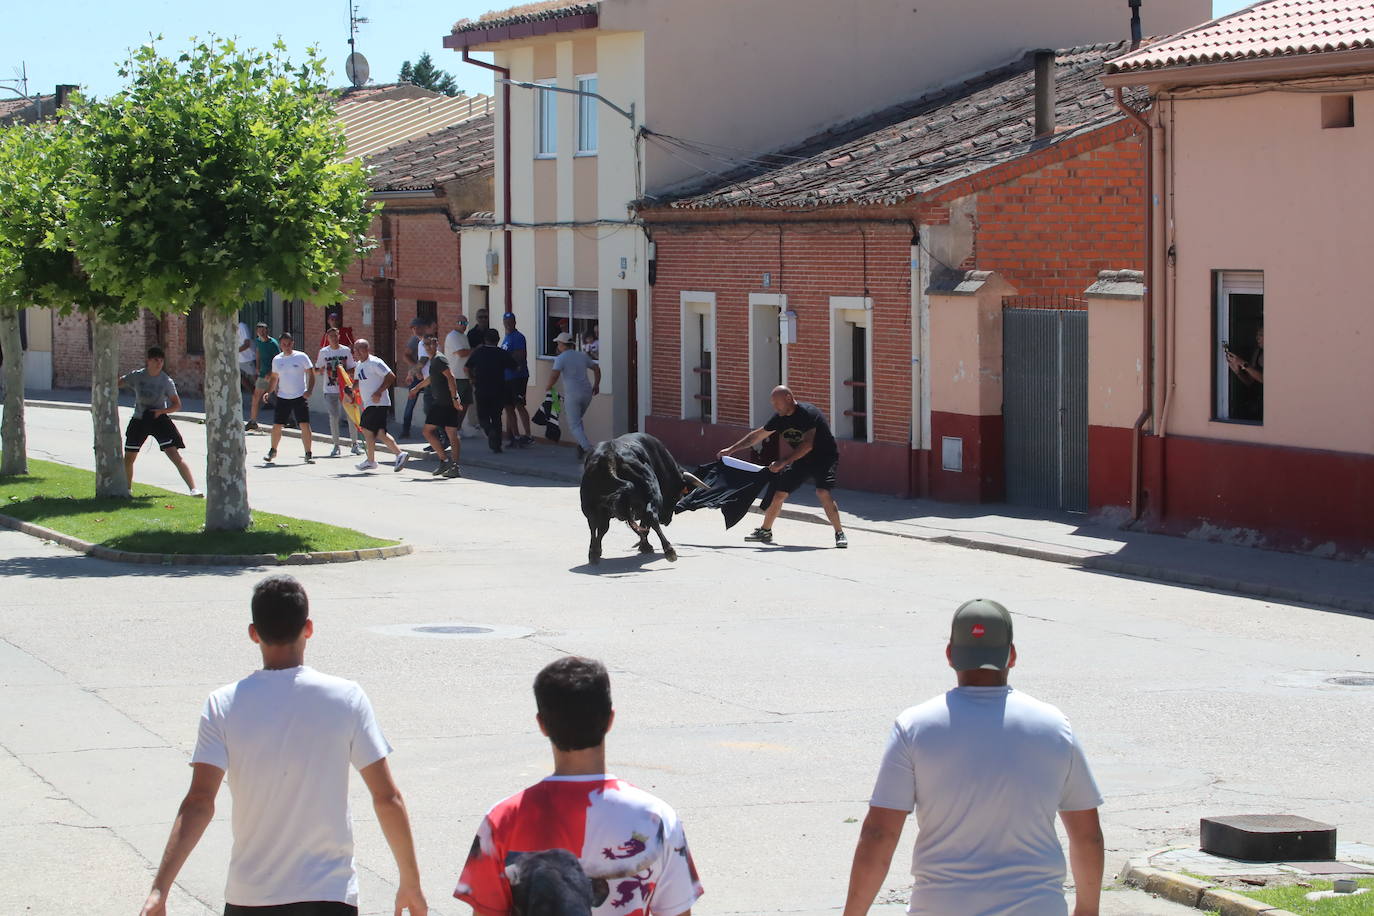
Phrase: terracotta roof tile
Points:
(911, 148)
(466, 148)
(525, 12)
(17, 110)
(1277, 28)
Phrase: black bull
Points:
(633, 478)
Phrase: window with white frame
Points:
(587, 113)
(1238, 346)
(697, 357)
(546, 120)
(572, 311)
(851, 361)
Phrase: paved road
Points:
(754, 686)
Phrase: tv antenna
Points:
(356, 67)
(20, 81)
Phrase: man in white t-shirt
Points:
(571, 366)
(986, 769)
(293, 381)
(334, 356)
(374, 379)
(248, 359)
(286, 736)
(457, 349)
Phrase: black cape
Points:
(731, 490)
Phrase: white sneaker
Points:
(367, 466)
(197, 493)
(336, 453)
(401, 460)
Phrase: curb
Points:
(1193, 892)
(209, 559)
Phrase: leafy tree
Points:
(37, 269)
(212, 176)
(428, 76)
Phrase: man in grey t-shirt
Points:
(986, 769)
(155, 396)
(571, 366)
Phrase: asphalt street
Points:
(754, 685)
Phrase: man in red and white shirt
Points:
(630, 844)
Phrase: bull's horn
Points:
(695, 481)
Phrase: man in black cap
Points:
(986, 769)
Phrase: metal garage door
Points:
(1045, 402)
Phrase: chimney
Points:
(64, 90)
(1044, 93)
(1135, 24)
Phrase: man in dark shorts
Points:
(517, 380)
(815, 457)
(155, 396)
(487, 368)
(443, 408)
(266, 348)
(292, 381)
(374, 379)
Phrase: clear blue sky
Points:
(81, 42)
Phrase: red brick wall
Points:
(72, 351)
(809, 263)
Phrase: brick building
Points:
(815, 266)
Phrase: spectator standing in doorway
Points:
(986, 769)
(374, 379)
(155, 398)
(292, 381)
(286, 736)
(517, 381)
(487, 367)
(571, 367)
(334, 356)
(815, 457)
(333, 321)
(266, 349)
(629, 841)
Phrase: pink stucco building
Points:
(1255, 417)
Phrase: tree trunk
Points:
(14, 451)
(110, 479)
(226, 474)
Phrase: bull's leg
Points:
(598, 529)
(643, 531)
(668, 550)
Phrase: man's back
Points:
(987, 769)
(286, 739)
(630, 843)
(487, 367)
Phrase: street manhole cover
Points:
(1351, 681)
(453, 631)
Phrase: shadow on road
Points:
(78, 566)
(616, 566)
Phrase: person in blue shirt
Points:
(517, 380)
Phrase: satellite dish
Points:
(357, 69)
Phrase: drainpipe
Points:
(504, 74)
(1148, 326)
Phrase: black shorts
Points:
(464, 391)
(374, 418)
(515, 391)
(160, 428)
(821, 471)
(292, 409)
(442, 414)
(313, 908)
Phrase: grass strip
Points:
(158, 521)
(1294, 899)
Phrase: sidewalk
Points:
(1282, 577)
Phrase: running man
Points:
(266, 349)
(292, 381)
(571, 366)
(814, 457)
(517, 380)
(155, 396)
(443, 408)
(334, 355)
(374, 379)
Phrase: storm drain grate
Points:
(1351, 681)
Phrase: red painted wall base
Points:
(983, 478)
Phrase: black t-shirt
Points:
(801, 421)
(487, 368)
(437, 389)
(476, 337)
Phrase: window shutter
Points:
(1243, 281)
